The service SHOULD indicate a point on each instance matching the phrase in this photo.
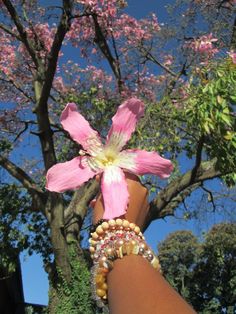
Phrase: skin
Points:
(134, 286)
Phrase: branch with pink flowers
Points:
(100, 40)
(22, 33)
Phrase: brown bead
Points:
(99, 278)
(92, 242)
(125, 224)
(101, 262)
(135, 248)
(155, 263)
(91, 249)
(120, 252)
(137, 230)
(108, 265)
(103, 270)
(143, 245)
(100, 292)
(119, 222)
(105, 225)
(112, 223)
(132, 226)
(111, 253)
(94, 235)
(104, 286)
(99, 230)
(129, 248)
(103, 258)
(124, 249)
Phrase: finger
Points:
(98, 210)
(92, 203)
(98, 178)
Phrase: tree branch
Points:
(150, 57)
(100, 40)
(77, 209)
(21, 30)
(210, 197)
(233, 37)
(198, 157)
(38, 196)
(17, 87)
(159, 207)
(176, 201)
(43, 85)
(62, 29)
(9, 31)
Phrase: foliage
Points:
(20, 229)
(212, 108)
(73, 297)
(180, 248)
(204, 273)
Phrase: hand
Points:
(138, 202)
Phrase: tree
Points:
(178, 254)
(203, 273)
(190, 111)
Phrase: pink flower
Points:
(232, 56)
(108, 159)
(204, 45)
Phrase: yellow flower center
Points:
(106, 158)
(108, 161)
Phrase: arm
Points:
(134, 286)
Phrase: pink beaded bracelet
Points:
(111, 240)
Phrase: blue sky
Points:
(34, 278)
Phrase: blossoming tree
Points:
(96, 55)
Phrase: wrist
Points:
(113, 240)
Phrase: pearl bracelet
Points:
(111, 240)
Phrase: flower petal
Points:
(142, 162)
(80, 130)
(68, 175)
(124, 122)
(115, 192)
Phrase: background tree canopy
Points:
(96, 54)
(205, 274)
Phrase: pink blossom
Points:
(59, 85)
(232, 56)
(204, 45)
(168, 60)
(107, 159)
(133, 30)
(43, 36)
(7, 54)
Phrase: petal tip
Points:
(135, 105)
(71, 106)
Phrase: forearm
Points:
(135, 287)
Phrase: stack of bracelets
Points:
(110, 240)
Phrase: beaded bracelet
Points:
(111, 240)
